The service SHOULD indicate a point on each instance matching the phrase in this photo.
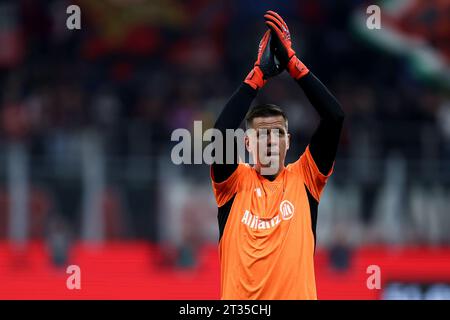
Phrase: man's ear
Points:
(288, 142)
(247, 143)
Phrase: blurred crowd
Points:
(139, 69)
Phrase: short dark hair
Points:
(264, 110)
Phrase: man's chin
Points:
(271, 161)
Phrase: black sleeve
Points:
(230, 118)
(325, 140)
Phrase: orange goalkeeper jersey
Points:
(268, 231)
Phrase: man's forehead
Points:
(269, 122)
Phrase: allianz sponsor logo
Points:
(256, 222)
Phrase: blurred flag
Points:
(418, 30)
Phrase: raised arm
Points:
(324, 142)
(236, 108)
(230, 118)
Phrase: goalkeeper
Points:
(267, 220)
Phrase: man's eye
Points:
(274, 133)
(262, 134)
(278, 133)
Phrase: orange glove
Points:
(283, 45)
(265, 66)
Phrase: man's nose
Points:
(273, 138)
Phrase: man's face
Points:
(268, 143)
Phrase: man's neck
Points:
(270, 177)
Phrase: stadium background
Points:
(86, 117)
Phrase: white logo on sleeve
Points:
(287, 210)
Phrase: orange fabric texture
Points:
(267, 247)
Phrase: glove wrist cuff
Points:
(255, 78)
(296, 68)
